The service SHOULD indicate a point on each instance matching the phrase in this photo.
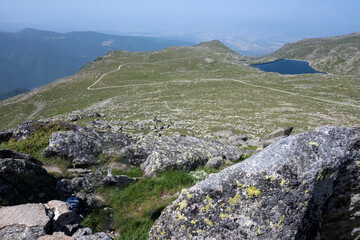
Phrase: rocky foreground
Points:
(299, 187)
(302, 187)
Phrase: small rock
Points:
(215, 162)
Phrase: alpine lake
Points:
(287, 66)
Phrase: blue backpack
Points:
(74, 204)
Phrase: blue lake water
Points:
(287, 66)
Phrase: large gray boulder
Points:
(23, 180)
(83, 145)
(49, 221)
(28, 222)
(301, 187)
(157, 154)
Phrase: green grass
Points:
(133, 172)
(137, 206)
(37, 142)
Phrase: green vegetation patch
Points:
(133, 172)
(137, 206)
(37, 142)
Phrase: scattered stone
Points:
(121, 181)
(215, 162)
(301, 187)
(74, 118)
(277, 135)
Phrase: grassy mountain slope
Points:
(334, 54)
(32, 58)
(201, 89)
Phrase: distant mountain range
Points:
(32, 58)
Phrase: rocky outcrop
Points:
(31, 221)
(23, 180)
(157, 154)
(83, 145)
(301, 187)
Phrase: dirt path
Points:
(169, 60)
(220, 79)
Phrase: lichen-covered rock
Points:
(82, 145)
(157, 154)
(23, 180)
(301, 187)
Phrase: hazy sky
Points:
(251, 25)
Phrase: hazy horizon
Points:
(257, 27)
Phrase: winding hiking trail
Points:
(218, 79)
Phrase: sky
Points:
(249, 26)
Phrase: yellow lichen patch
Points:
(179, 216)
(194, 221)
(235, 199)
(281, 219)
(208, 198)
(252, 191)
(314, 144)
(189, 195)
(206, 208)
(224, 215)
(317, 130)
(183, 226)
(183, 204)
(288, 189)
(306, 191)
(258, 230)
(228, 210)
(240, 185)
(163, 233)
(208, 222)
(282, 182)
(272, 178)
